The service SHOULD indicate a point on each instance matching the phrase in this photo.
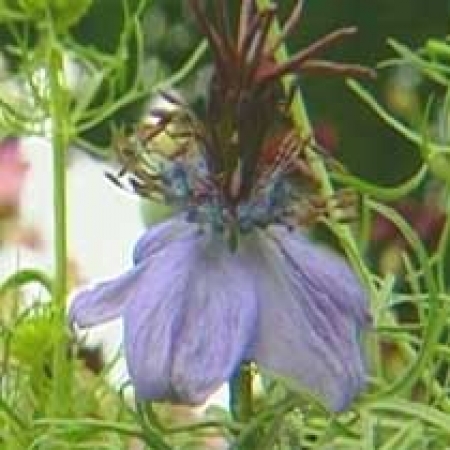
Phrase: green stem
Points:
(241, 403)
(60, 143)
(12, 414)
(91, 424)
(241, 394)
(26, 276)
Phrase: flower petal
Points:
(105, 301)
(157, 236)
(311, 310)
(153, 318)
(312, 258)
(191, 322)
(219, 323)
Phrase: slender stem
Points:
(59, 138)
(12, 414)
(241, 403)
(92, 424)
(59, 143)
(26, 276)
(241, 394)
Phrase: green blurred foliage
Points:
(368, 147)
(110, 15)
(65, 12)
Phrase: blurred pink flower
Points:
(326, 136)
(12, 174)
(425, 217)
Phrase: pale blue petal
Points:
(105, 301)
(219, 323)
(158, 236)
(311, 311)
(154, 317)
(312, 258)
(190, 324)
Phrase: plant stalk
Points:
(59, 140)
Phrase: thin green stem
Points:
(241, 394)
(185, 70)
(434, 154)
(12, 414)
(383, 192)
(26, 276)
(60, 142)
(241, 402)
(251, 432)
(94, 424)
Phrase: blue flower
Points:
(231, 277)
(193, 312)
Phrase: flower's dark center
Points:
(169, 160)
(242, 165)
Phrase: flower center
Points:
(190, 186)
